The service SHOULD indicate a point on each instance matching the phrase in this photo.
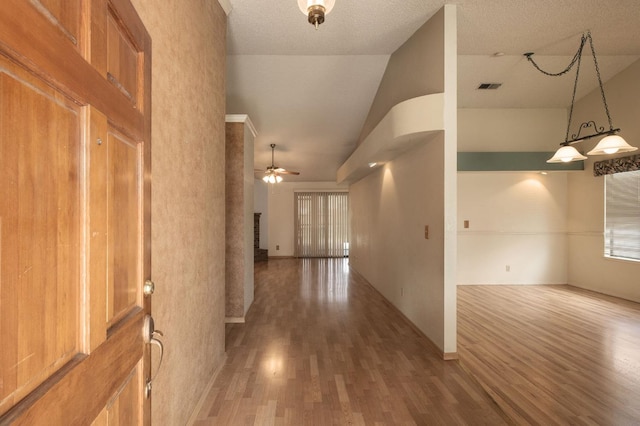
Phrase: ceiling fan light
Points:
(610, 145)
(272, 178)
(566, 154)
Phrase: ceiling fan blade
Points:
(274, 170)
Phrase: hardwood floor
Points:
(321, 347)
(553, 354)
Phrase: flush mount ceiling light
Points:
(611, 143)
(316, 10)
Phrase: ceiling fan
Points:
(272, 173)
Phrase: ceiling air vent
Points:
(489, 86)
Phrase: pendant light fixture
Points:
(611, 143)
(316, 10)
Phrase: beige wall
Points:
(391, 207)
(511, 129)
(587, 266)
(239, 219)
(410, 73)
(188, 218)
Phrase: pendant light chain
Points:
(575, 88)
(575, 59)
(604, 100)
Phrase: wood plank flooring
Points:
(321, 347)
(553, 354)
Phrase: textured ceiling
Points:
(309, 91)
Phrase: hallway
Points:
(322, 347)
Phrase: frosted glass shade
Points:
(566, 154)
(273, 178)
(610, 145)
(304, 5)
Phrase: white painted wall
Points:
(515, 130)
(450, 176)
(517, 228)
(588, 268)
(389, 211)
(261, 205)
(390, 208)
(280, 201)
(516, 219)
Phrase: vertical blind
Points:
(321, 221)
(622, 215)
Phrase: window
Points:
(321, 221)
(622, 215)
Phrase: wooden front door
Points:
(74, 212)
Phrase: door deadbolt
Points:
(148, 288)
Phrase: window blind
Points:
(622, 215)
(321, 224)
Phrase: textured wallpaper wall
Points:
(188, 217)
(235, 241)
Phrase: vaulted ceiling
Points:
(310, 91)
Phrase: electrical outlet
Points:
(277, 247)
(466, 224)
(508, 268)
(426, 232)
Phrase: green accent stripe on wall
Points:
(512, 162)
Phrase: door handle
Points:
(149, 334)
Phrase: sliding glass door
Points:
(321, 221)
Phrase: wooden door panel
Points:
(122, 59)
(74, 212)
(125, 188)
(46, 48)
(78, 393)
(118, 411)
(121, 410)
(65, 15)
(40, 234)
